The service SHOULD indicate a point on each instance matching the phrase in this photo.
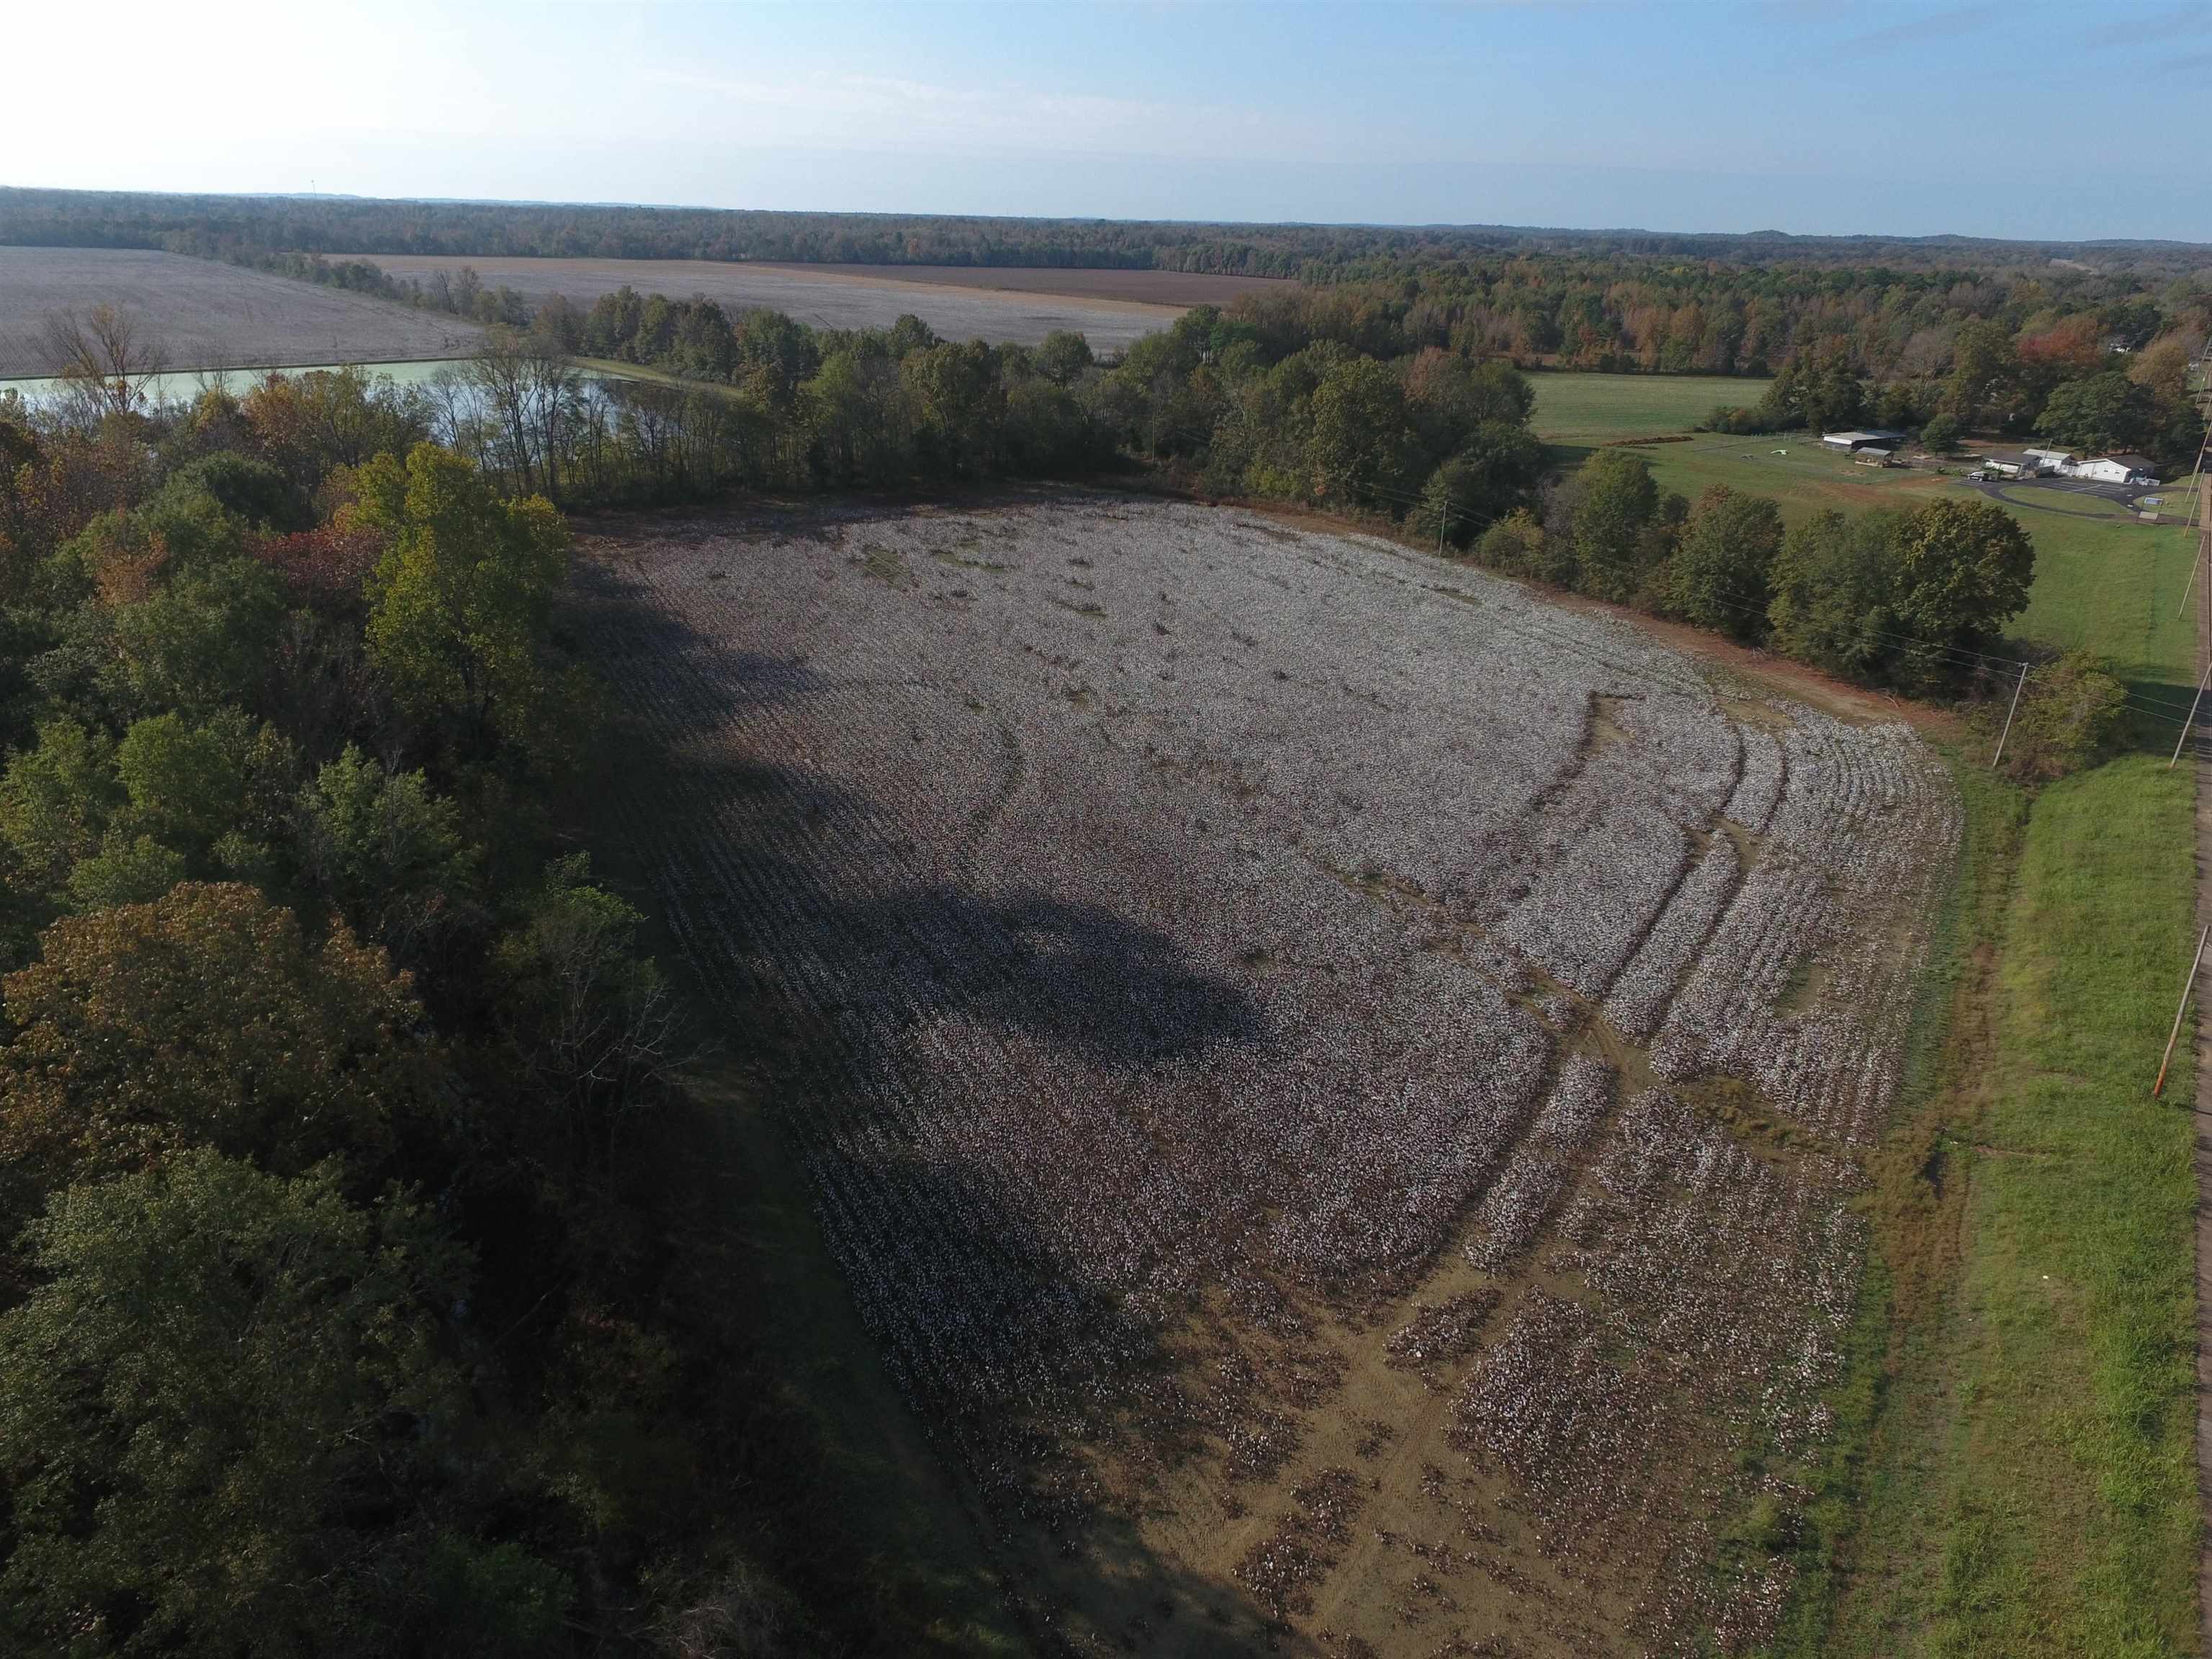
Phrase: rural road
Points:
(2001, 490)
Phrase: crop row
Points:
(1149, 905)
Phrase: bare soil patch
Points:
(207, 315)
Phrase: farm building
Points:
(2012, 463)
(2126, 467)
(1873, 456)
(1858, 441)
(2060, 461)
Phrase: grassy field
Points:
(1596, 408)
(2030, 1486)
(2104, 580)
(2063, 1485)
(1796, 470)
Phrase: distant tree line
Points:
(1323, 397)
(2056, 377)
(1260, 402)
(2088, 361)
(218, 226)
(1916, 600)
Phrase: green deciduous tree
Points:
(1062, 356)
(1494, 474)
(189, 784)
(590, 1017)
(1615, 502)
(382, 851)
(55, 801)
(1834, 602)
(462, 600)
(2070, 716)
(958, 404)
(1719, 574)
(1986, 373)
(222, 1385)
(127, 869)
(2100, 412)
(202, 638)
(1361, 448)
(1963, 570)
(203, 1016)
(1516, 545)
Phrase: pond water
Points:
(182, 385)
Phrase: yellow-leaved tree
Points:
(462, 600)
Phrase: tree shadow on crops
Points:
(801, 885)
(622, 629)
(840, 903)
(825, 907)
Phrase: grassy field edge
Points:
(1912, 1223)
(2014, 1468)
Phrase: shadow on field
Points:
(819, 942)
(2156, 710)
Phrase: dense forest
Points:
(219, 225)
(359, 1292)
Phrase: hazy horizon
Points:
(2009, 122)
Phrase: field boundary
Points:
(1780, 674)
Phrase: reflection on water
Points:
(182, 385)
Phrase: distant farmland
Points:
(1111, 308)
(211, 316)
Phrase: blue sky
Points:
(2010, 120)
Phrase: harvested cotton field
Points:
(1112, 310)
(202, 315)
(1337, 1086)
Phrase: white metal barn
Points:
(2126, 468)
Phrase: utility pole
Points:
(2159, 1087)
(1443, 517)
(2192, 720)
(2018, 686)
(2196, 504)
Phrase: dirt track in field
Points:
(206, 315)
(842, 297)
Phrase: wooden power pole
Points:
(2018, 687)
(2157, 1088)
